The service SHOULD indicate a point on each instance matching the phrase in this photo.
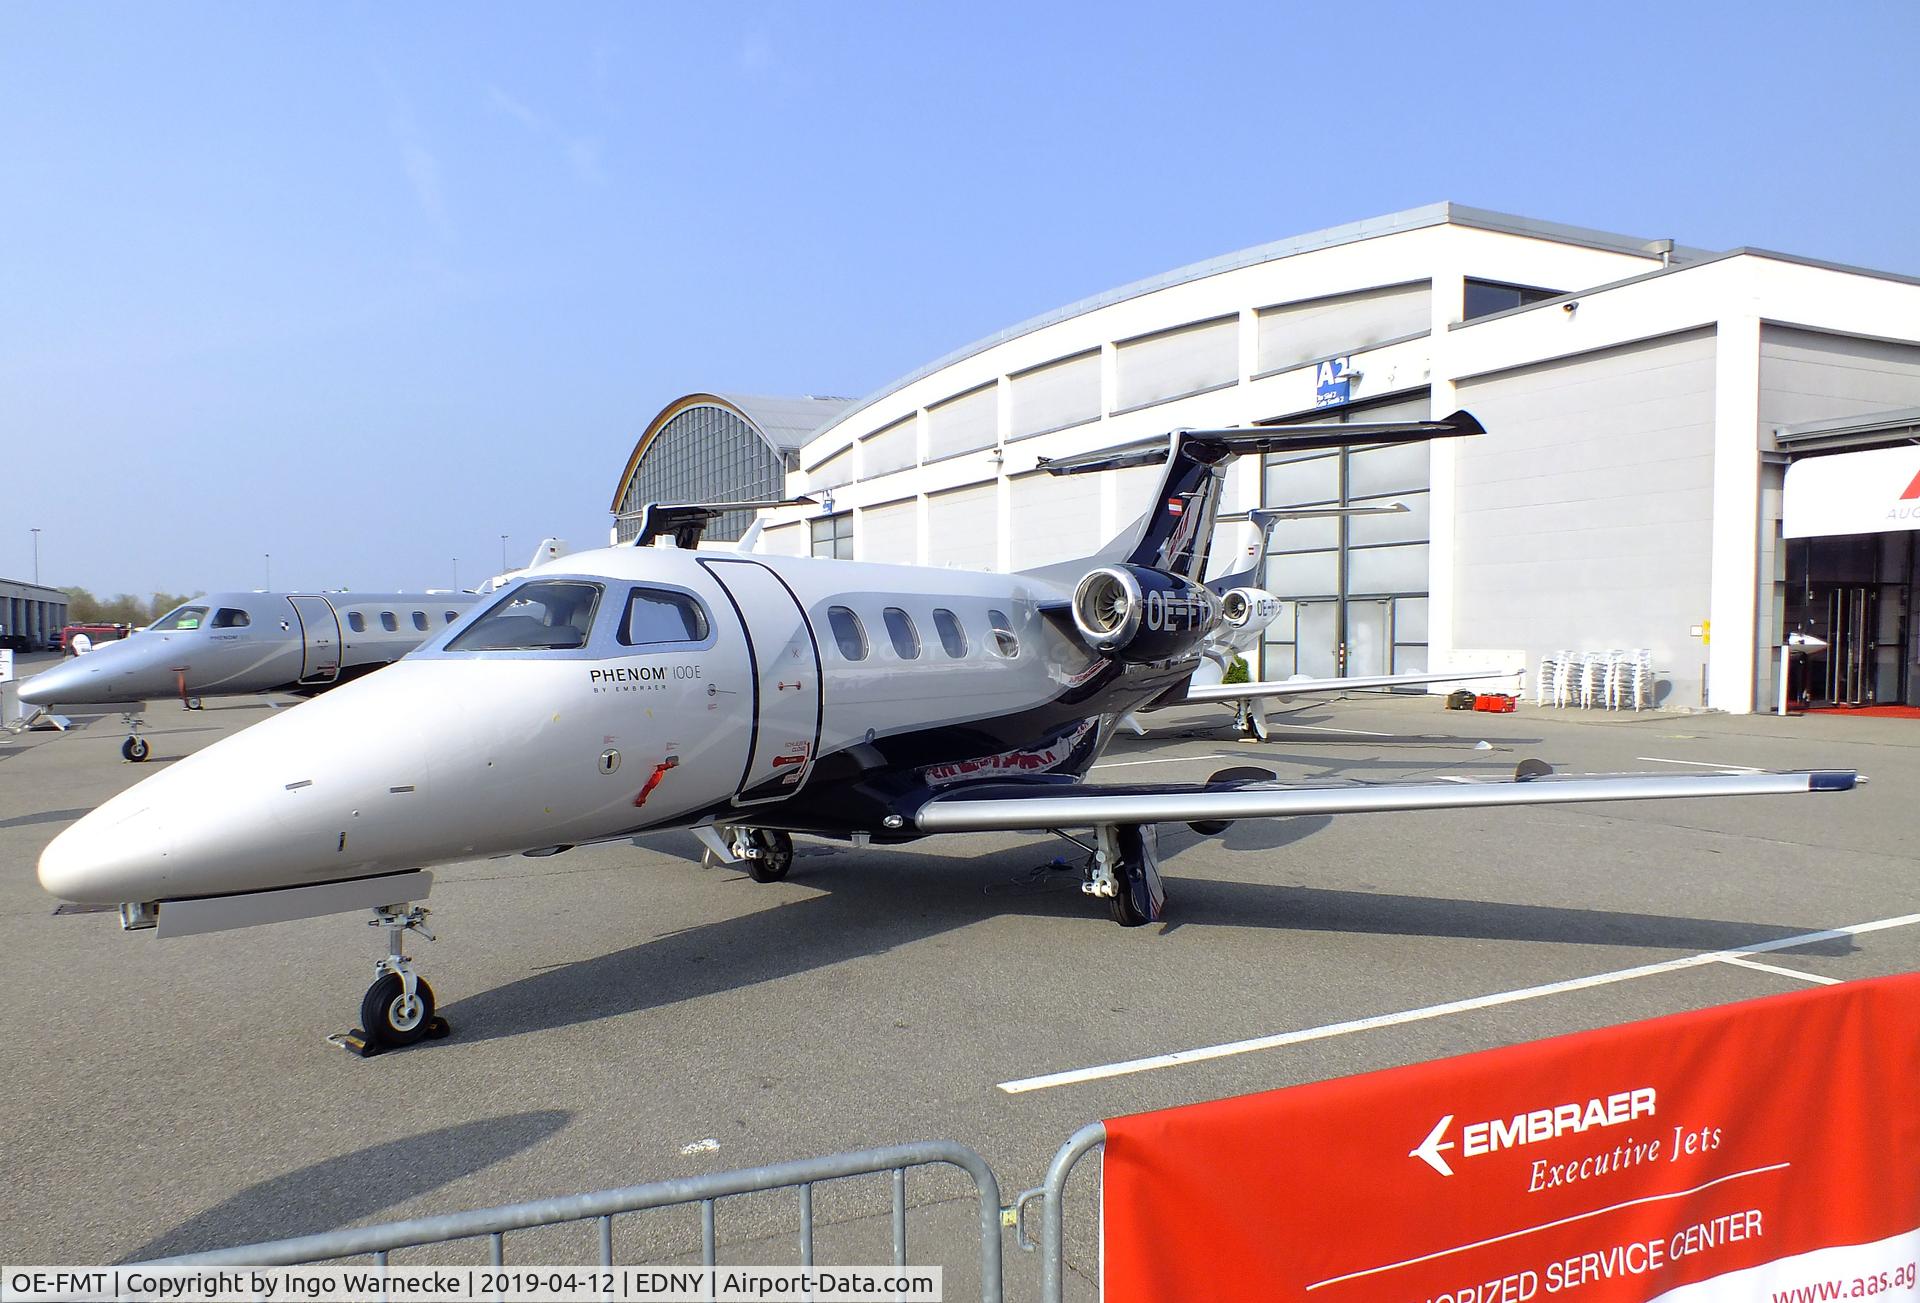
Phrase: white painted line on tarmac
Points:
(1700, 764)
(1775, 969)
(1166, 760)
(1126, 1068)
(1325, 728)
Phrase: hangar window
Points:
(420, 621)
(906, 638)
(228, 617)
(184, 620)
(833, 536)
(1484, 298)
(848, 633)
(952, 636)
(356, 622)
(1004, 641)
(656, 616)
(541, 615)
(389, 622)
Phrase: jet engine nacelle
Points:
(1242, 608)
(1135, 613)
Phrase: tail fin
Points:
(1177, 530)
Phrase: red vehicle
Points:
(97, 633)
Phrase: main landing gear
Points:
(1250, 720)
(1125, 870)
(397, 1009)
(766, 854)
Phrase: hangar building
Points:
(31, 613)
(1688, 451)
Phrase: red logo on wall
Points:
(1913, 490)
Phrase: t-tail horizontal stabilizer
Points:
(1177, 530)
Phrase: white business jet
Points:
(617, 691)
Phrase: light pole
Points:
(456, 574)
(269, 559)
(36, 555)
(503, 554)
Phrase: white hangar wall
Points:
(1591, 512)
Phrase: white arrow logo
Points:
(1429, 1149)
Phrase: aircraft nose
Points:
(46, 687)
(117, 853)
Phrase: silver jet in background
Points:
(236, 644)
(746, 699)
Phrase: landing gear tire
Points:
(389, 1018)
(1129, 876)
(134, 750)
(775, 858)
(193, 703)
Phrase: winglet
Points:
(1831, 780)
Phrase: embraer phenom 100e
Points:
(636, 688)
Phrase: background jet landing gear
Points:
(397, 1009)
(135, 748)
(1126, 871)
(766, 854)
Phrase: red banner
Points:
(1767, 1150)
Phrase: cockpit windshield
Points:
(542, 614)
(183, 620)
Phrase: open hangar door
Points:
(1851, 528)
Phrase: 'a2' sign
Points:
(1333, 382)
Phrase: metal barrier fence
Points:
(605, 1205)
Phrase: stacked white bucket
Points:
(1596, 680)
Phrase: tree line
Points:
(84, 607)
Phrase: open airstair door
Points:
(786, 678)
(319, 639)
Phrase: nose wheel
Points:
(397, 1009)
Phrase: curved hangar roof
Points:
(718, 448)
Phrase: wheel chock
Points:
(358, 1043)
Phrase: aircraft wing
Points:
(1040, 806)
(1300, 686)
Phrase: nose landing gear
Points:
(135, 748)
(397, 1009)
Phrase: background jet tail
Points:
(1177, 531)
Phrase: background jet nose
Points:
(44, 688)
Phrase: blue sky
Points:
(366, 286)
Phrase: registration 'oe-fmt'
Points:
(748, 698)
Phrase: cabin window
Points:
(539, 615)
(848, 633)
(906, 638)
(952, 636)
(356, 622)
(420, 621)
(656, 616)
(228, 617)
(1004, 641)
(452, 616)
(389, 622)
(184, 620)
